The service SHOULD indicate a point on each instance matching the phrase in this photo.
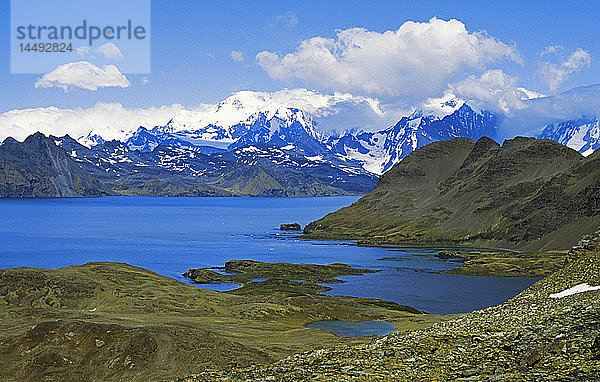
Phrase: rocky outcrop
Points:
(290, 227)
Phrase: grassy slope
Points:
(532, 337)
(112, 321)
(528, 195)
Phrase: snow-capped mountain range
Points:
(252, 119)
(232, 125)
(582, 134)
(246, 119)
(379, 151)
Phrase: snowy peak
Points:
(443, 106)
(278, 126)
(379, 151)
(91, 140)
(143, 140)
(239, 108)
(582, 134)
(284, 127)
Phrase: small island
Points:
(290, 227)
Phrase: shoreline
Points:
(474, 261)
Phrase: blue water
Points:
(170, 235)
(353, 329)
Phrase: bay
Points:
(170, 235)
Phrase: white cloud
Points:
(577, 60)
(110, 51)
(83, 51)
(493, 90)
(552, 50)
(288, 20)
(555, 74)
(237, 56)
(415, 62)
(83, 75)
(110, 120)
(114, 121)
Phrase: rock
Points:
(596, 348)
(533, 357)
(290, 227)
(449, 255)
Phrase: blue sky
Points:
(192, 43)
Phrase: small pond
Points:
(353, 329)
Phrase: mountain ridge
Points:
(61, 166)
(24, 173)
(284, 127)
(528, 194)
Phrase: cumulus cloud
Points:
(415, 62)
(555, 74)
(84, 75)
(493, 90)
(110, 51)
(237, 56)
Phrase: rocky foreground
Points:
(537, 335)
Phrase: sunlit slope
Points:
(527, 194)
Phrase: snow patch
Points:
(316, 158)
(580, 288)
(251, 149)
